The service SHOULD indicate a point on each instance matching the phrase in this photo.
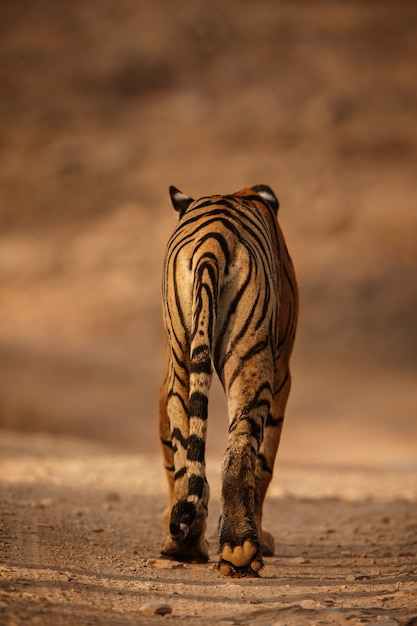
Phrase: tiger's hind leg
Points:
(240, 548)
(187, 545)
(267, 451)
(167, 450)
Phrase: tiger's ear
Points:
(179, 200)
(267, 194)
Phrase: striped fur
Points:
(229, 300)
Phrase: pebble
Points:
(155, 608)
(299, 560)
(164, 564)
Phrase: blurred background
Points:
(104, 104)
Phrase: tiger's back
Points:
(229, 298)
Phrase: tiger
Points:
(230, 302)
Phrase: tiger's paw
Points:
(240, 561)
(186, 552)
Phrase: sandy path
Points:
(80, 533)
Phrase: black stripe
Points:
(288, 264)
(196, 449)
(230, 313)
(265, 306)
(180, 473)
(206, 255)
(199, 308)
(195, 486)
(253, 421)
(177, 434)
(177, 302)
(174, 394)
(181, 381)
(206, 266)
(283, 383)
(199, 350)
(256, 402)
(255, 429)
(274, 422)
(198, 405)
(241, 333)
(201, 367)
(263, 463)
(178, 360)
(220, 240)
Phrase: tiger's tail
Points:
(205, 292)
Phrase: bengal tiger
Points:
(230, 299)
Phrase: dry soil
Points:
(80, 537)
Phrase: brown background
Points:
(104, 104)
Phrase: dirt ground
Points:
(80, 533)
(103, 105)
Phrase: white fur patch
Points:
(267, 196)
(180, 197)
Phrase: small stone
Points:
(350, 578)
(299, 560)
(155, 608)
(164, 564)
